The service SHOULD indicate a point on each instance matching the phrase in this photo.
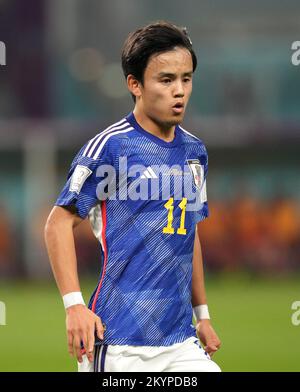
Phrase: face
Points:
(167, 87)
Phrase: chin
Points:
(177, 119)
(169, 120)
(172, 122)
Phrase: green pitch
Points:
(251, 316)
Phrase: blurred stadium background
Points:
(63, 83)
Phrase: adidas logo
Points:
(149, 173)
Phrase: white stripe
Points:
(95, 137)
(203, 195)
(151, 171)
(148, 175)
(143, 176)
(184, 130)
(106, 129)
(95, 217)
(102, 134)
(107, 137)
(100, 359)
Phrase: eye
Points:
(166, 81)
(186, 80)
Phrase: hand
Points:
(81, 324)
(208, 336)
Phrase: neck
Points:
(163, 131)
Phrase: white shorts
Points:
(187, 356)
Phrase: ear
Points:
(134, 86)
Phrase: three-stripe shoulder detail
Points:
(95, 145)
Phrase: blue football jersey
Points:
(143, 197)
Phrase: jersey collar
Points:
(132, 120)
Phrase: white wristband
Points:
(201, 312)
(74, 298)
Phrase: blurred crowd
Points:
(245, 101)
(244, 233)
(8, 265)
(253, 234)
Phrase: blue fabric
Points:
(144, 290)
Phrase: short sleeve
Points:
(81, 188)
(202, 212)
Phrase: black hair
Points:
(155, 38)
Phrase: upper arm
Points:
(63, 215)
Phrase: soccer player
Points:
(142, 184)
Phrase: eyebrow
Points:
(171, 75)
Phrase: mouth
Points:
(178, 107)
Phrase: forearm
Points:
(81, 322)
(198, 286)
(59, 238)
(205, 331)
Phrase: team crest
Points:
(197, 172)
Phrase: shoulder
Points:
(107, 140)
(189, 137)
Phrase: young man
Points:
(142, 184)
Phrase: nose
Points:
(178, 89)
